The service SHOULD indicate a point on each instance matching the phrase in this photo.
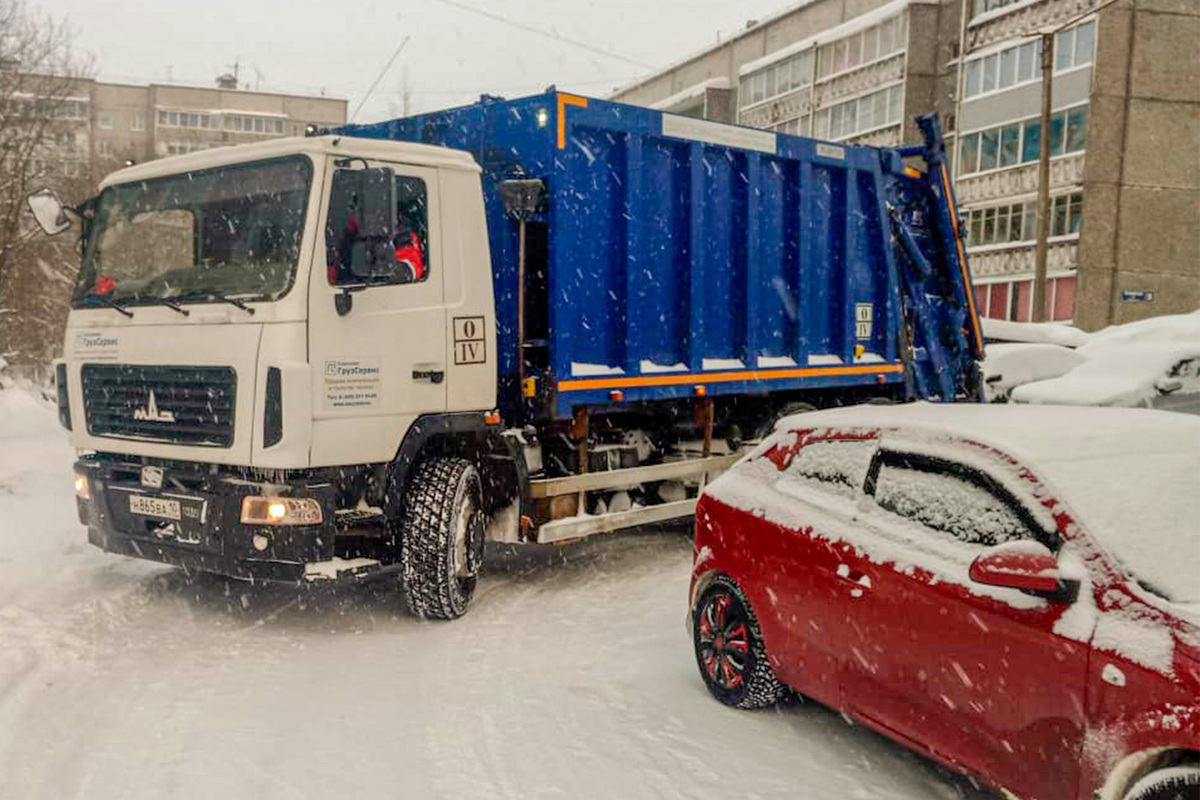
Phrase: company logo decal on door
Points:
(470, 345)
(353, 383)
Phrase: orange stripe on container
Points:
(582, 384)
(565, 100)
(962, 260)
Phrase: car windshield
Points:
(229, 231)
(1144, 508)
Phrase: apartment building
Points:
(114, 123)
(1124, 204)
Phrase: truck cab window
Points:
(411, 240)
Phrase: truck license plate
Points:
(154, 507)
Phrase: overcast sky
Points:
(305, 46)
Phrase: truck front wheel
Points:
(441, 539)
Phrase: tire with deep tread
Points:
(441, 537)
(1171, 783)
(758, 687)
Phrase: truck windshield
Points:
(226, 232)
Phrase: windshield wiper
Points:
(110, 303)
(232, 301)
(162, 301)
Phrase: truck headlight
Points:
(265, 510)
(83, 488)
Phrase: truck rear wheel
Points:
(441, 538)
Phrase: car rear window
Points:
(833, 465)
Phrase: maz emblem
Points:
(151, 413)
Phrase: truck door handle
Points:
(431, 375)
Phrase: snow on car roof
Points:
(1131, 476)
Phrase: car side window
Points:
(951, 500)
(838, 466)
(411, 239)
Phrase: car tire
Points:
(729, 648)
(1172, 783)
(441, 538)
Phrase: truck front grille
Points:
(181, 405)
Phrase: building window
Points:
(138, 121)
(778, 79)
(879, 109)
(186, 119)
(181, 148)
(105, 121)
(1021, 64)
(1018, 142)
(71, 109)
(879, 41)
(104, 147)
(1014, 299)
(1017, 222)
(264, 125)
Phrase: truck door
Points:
(377, 342)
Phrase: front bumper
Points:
(209, 535)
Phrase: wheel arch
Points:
(464, 435)
(1135, 766)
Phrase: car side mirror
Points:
(1027, 566)
(49, 212)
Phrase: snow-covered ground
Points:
(571, 677)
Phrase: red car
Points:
(1013, 591)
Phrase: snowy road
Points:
(571, 677)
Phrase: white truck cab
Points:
(270, 321)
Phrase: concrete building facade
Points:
(859, 71)
(115, 123)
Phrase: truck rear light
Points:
(64, 401)
(265, 510)
(273, 408)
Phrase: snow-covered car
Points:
(1153, 363)
(1008, 366)
(1011, 590)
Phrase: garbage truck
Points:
(363, 352)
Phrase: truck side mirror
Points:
(363, 209)
(49, 212)
(377, 203)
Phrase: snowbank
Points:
(1034, 332)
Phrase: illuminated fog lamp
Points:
(264, 510)
(701, 391)
(617, 396)
(83, 488)
(261, 542)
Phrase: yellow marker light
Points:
(83, 489)
(260, 510)
(859, 350)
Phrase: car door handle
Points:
(431, 375)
